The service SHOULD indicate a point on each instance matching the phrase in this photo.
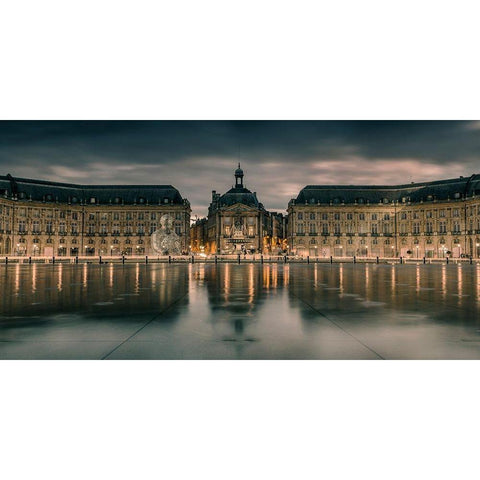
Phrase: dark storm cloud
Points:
(279, 157)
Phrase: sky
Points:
(278, 157)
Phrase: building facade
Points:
(40, 218)
(431, 219)
(238, 223)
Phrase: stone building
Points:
(430, 219)
(238, 223)
(198, 235)
(41, 218)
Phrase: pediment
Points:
(239, 208)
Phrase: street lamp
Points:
(111, 250)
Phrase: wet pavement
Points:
(248, 311)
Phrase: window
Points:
(93, 200)
(441, 213)
(178, 230)
(91, 216)
(456, 212)
(300, 229)
(374, 228)
(178, 216)
(386, 216)
(312, 216)
(141, 200)
(103, 228)
(300, 216)
(374, 216)
(21, 226)
(361, 216)
(312, 229)
(336, 229)
(429, 227)
(116, 229)
(386, 228)
(128, 216)
(36, 226)
(141, 229)
(140, 216)
(324, 216)
(456, 227)
(153, 216)
(153, 227)
(442, 227)
(74, 227)
(91, 228)
(416, 228)
(116, 216)
(61, 228)
(62, 214)
(49, 228)
(74, 216)
(104, 216)
(349, 216)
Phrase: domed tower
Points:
(238, 177)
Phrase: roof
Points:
(42, 190)
(414, 192)
(239, 195)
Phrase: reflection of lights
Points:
(203, 255)
(286, 275)
(17, 278)
(444, 280)
(340, 273)
(417, 277)
(251, 288)
(477, 271)
(60, 277)
(460, 282)
(34, 278)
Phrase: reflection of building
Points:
(56, 219)
(431, 219)
(237, 222)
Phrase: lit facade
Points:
(238, 223)
(431, 219)
(40, 218)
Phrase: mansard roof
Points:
(239, 195)
(414, 192)
(42, 190)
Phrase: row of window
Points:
(455, 212)
(100, 215)
(49, 197)
(91, 228)
(385, 228)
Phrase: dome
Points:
(238, 171)
(239, 195)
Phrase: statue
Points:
(164, 240)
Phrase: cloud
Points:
(279, 157)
